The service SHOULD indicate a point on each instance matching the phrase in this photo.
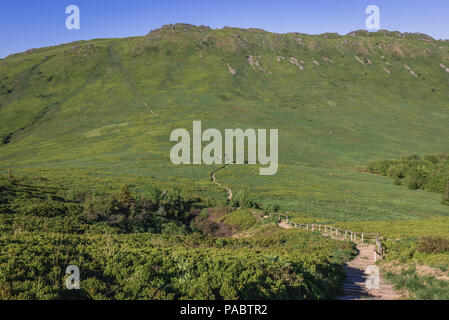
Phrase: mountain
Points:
(100, 112)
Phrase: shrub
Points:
(242, 199)
(75, 194)
(433, 245)
(124, 197)
(153, 193)
(38, 207)
(412, 157)
(411, 183)
(431, 158)
(271, 207)
(397, 181)
(100, 208)
(430, 174)
(6, 138)
(380, 166)
(175, 206)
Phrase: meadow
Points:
(94, 115)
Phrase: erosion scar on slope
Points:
(131, 81)
(229, 191)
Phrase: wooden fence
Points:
(339, 233)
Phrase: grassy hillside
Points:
(90, 116)
(107, 107)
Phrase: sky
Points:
(26, 24)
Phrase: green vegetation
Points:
(145, 246)
(433, 245)
(243, 219)
(420, 287)
(421, 267)
(430, 173)
(90, 124)
(144, 266)
(84, 144)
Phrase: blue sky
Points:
(26, 24)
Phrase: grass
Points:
(77, 116)
(420, 287)
(241, 218)
(93, 120)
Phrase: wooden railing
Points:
(339, 233)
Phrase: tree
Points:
(125, 198)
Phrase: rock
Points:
(251, 61)
(359, 60)
(444, 67)
(363, 60)
(411, 71)
(231, 70)
(296, 63)
(299, 41)
(255, 63)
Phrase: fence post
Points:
(362, 237)
(346, 234)
(319, 227)
(307, 226)
(355, 236)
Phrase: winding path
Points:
(358, 275)
(228, 191)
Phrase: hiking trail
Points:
(214, 180)
(361, 272)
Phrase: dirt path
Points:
(228, 191)
(129, 77)
(285, 225)
(358, 275)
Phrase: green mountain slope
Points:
(101, 112)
